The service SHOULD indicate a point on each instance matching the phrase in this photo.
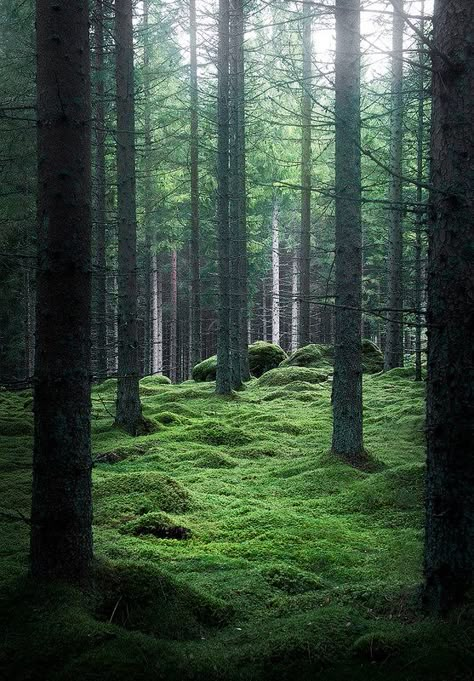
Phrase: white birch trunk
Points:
(275, 274)
(294, 302)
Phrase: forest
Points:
(236, 351)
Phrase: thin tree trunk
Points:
(61, 515)
(347, 438)
(196, 350)
(305, 237)
(234, 199)
(174, 317)
(157, 317)
(393, 355)
(419, 199)
(29, 328)
(223, 379)
(294, 302)
(129, 413)
(449, 548)
(100, 203)
(147, 193)
(275, 273)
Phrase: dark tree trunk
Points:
(196, 350)
(305, 237)
(449, 549)
(347, 438)
(100, 188)
(234, 197)
(393, 355)
(129, 413)
(61, 516)
(223, 379)
(419, 197)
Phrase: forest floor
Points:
(231, 545)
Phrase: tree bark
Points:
(449, 548)
(100, 203)
(147, 193)
(174, 317)
(223, 378)
(347, 440)
(275, 273)
(419, 200)
(157, 317)
(196, 350)
(294, 302)
(393, 355)
(129, 413)
(305, 237)
(61, 516)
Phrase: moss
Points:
(322, 356)
(169, 418)
(372, 357)
(155, 380)
(285, 375)
(157, 525)
(399, 372)
(307, 356)
(218, 433)
(215, 460)
(205, 370)
(264, 356)
(290, 579)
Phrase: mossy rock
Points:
(399, 373)
(307, 356)
(157, 525)
(205, 370)
(155, 380)
(372, 357)
(285, 375)
(264, 356)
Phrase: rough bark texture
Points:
(223, 378)
(449, 550)
(305, 237)
(294, 303)
(393, 354)
(419, 198)
(100, 203)
(147, 194)
(61, 516)
(174, 317)
(234, 198)
(157, 317)
(129, 415)
(347, 438)
(275, 273)
(196, 351)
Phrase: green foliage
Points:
(262, 557)
(264, 356)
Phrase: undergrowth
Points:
(230, 544)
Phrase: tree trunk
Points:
(393, 355)
(449, 549)
(157, 317)
(196, 350)
(234, 199)
(61, 515)
(419, 198)
(294, 303)
(347, 438)
(305, 238)
(29, 328)
(275, 273)
(100, 203)
(223, 379)
(174, 317)
(147, 193)
(129, 413)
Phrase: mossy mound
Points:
(218, 433)
(123, 495)
(285, 375)
(319, 356)
(140, 597)
(205, 370)
(169, 418)
(215, 460)
(290, 579)
(155, 380)
(399, 372)
(155, 524)
(264, 356)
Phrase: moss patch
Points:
(285, 375)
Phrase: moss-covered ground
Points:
(231, 545)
